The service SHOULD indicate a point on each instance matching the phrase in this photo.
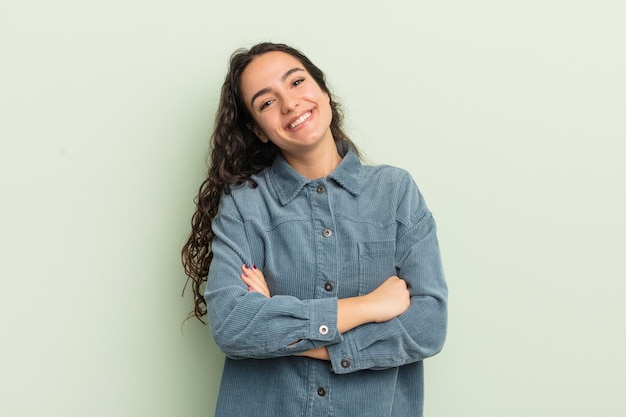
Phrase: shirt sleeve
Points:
(420, 331)
(249, 325)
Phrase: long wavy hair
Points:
(236, 154)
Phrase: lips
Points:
(299, 120)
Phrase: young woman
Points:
(321, 276)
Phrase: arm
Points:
(389, 300)
(420, 331)
(246, 324)
(250, 324)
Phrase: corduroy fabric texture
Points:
(318, 241)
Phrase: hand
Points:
(255, 280)
(389, 300)
(318, 353)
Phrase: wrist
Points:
(353, 312)
(320, 353)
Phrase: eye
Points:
(297, 82)
(265, 103)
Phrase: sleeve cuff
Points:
(343, 359)
(323, 321)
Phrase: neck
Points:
(317, 163)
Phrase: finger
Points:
(252, 284)
(255, 275)
(248, 270)
(253, 271)
(254, 279)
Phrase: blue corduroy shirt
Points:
(318, 241)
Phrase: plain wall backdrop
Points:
(509, 115)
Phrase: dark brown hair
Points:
(236, 154)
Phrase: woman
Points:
(324, 285)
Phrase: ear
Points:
(258, 132)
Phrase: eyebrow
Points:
(267, 89)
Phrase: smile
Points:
(300, 120)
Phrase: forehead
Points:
(265, 70)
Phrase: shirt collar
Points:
(287, 182)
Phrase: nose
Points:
(290, 102)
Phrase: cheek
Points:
(328, 109)
(269, 118)
(267, 122)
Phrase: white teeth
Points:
(300, 120)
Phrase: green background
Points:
(509, 115)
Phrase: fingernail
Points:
(247, 267)
(249, 288)
(253, 266)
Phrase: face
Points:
(288, 107)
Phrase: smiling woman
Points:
(315, 270)
(290, 110)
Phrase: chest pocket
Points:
(376, 264)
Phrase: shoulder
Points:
(399, 189)
(390, 177)
(244, 199)
(386, 171)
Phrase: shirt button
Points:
(324, 329)
(321, 189)
(328, 286)
(345, 363)
(321, 391)
(327, 233)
